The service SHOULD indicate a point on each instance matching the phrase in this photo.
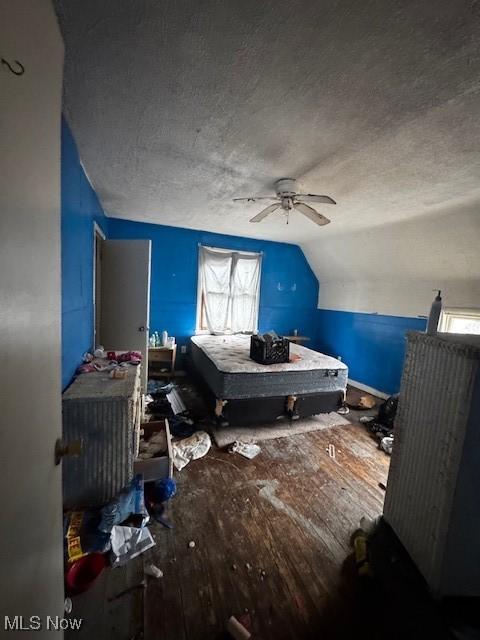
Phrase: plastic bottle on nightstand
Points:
(434, 317)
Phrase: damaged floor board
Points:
(290, 513)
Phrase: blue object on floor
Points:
(164, 489)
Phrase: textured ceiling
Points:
(179, 106)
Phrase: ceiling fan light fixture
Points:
(288, 198)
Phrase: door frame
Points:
(98, 235)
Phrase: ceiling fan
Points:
(287, 198)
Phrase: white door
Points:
(125, 291)
(31, 575)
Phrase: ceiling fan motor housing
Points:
(286, 187)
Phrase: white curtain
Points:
(229, 287)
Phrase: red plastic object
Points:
(83, 573)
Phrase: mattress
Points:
(225, 364)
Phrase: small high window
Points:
(460, 321)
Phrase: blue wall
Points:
(288, 290)
(372, 345)
(80, 208)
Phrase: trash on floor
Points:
(366, 401)
(111, 535)
(128, 543)
(181, 427)
(237, 629)
(360, 542)
(159, 407)
(128, 503)
(387, 444)
(331, 451)
(360, 547)
(192, 448)
(153, 571)
(246, 449)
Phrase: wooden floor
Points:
(272, 544)
(271, 535)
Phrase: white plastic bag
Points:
(192, 448)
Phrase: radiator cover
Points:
(105, 415)
(432, 494)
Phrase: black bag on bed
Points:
(269, 349)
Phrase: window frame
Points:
(450, 313)
(200, 315)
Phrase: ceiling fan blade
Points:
(311, 214)
(263, 214)
(311, 197)
(255, 198)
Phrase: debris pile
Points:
(114, 534)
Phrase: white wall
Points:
(392, 269)
(31, 570)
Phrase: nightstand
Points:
(161, 358)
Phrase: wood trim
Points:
(365, 387)
(169, 448)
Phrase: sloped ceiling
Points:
(179, 106)
(394, 268)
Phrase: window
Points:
(228, 291)
(460, 321)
